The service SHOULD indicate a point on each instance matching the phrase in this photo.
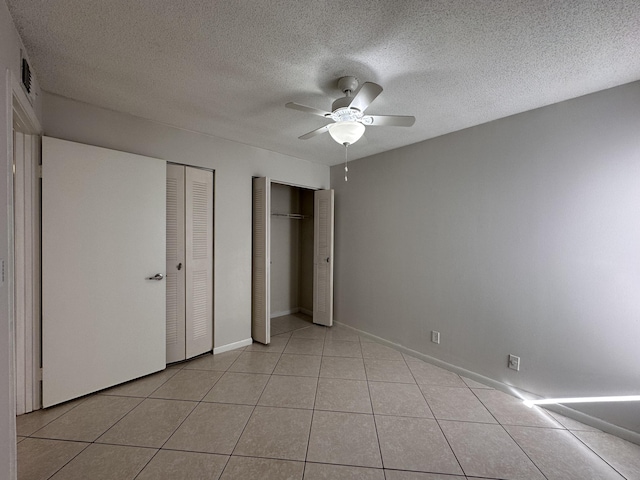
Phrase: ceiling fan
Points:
(347, 113)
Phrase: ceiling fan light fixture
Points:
(348, 132)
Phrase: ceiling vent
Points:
(26, 75)
(27, 78)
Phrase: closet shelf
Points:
(293, 216)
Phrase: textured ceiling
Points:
(227, 68)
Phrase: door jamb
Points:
(289, 184)
(24, 118)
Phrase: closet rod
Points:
(293, 216)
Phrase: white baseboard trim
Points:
(621, 432)
(284, 312)
(306, 312)
(232, 346)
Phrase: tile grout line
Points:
(197, 403)
(313, 410)
(421, 392)
(183, 420)
(70, 460)
(434, 417)
(507, 432)
(304, 463)
(54, 419)
(145, 465)
(596, 454)
(491, 413)
(373, 413)
(486, 408)
(254, 406)
(141, 399)
(522, 449)
(121, 418)
(93, 442)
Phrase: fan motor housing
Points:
(348, 84)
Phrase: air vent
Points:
(26, 75)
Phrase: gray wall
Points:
(234, 164)
(518, 236)
(285, 241)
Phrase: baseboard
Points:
(232, 346)
(292, 311)
(621, 432)
(284, 312)
(595, 422)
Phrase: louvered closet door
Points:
(199, 261)
(175, 264)
(323, 257)
(261, 308)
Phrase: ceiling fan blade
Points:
(367, 94)
(313, 133)
(390, 120)
(304, 108)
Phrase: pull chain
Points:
(346, 169)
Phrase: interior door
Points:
(323, 214)
(199, 264)
(261, 291)
(104, 233)
(175, 268)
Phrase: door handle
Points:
(157, 276)
(328, 259)
(179, 266)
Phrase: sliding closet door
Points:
(199, 261)
(323, 258)
(261, 294)
(176, 336)
(103, 260)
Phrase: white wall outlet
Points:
(435, 336)
(514, 363)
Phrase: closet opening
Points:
(292, 269)
(291, 257)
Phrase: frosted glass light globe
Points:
(346, 132)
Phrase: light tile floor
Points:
(315, 404)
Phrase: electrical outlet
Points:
(514, 363)
(435, 336)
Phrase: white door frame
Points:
(25, 216)
(306, 187)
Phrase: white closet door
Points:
(323, 257)
(199, 264)
(176, 336)
(103, 236)
(261, 295)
